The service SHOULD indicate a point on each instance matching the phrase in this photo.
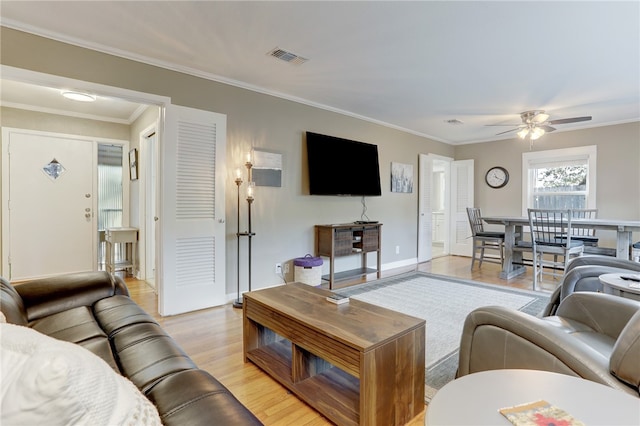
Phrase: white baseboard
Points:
(400, 264)
(232, 297)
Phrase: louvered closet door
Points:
(192, 230)
(462, 196)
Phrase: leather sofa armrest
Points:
(625, 358)
(11, 304)
(495, 337)
(604, 313)
(48, 296)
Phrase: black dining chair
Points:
(484, 240)
(588, 235)
(551, 236)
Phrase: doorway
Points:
(440, 208)
(434, 206)
(51, 213)
(110, 207)
(445, 190)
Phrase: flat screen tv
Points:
(342, 167)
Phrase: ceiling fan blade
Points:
(547, 128)
(507, 131)
(510, 125)
(540, 118)
(569, 120)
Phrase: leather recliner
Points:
(595, 336)
(583, 274)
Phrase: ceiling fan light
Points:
(536, 133)
(523, 133)
(79, 96)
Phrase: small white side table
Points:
(613, 284)
(129, 238)
(476, 398)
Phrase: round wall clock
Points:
(497, 177)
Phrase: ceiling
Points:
(414, 65)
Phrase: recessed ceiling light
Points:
(79, 96)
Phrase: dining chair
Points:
(551, 235)
(588, 235)
(484, 240)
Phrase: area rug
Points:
(444, 303)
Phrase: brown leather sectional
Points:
(94, 310)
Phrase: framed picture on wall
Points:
(267, 168)
(133, 164)
(401, 177)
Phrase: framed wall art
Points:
(133, 164)
(401, 177)
(267, 168)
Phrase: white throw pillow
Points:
(46, 381)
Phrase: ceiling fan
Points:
(536, 123)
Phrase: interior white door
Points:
(191, 274)
(425, 224)
(150, 147)
(462, 196)
(50, 220)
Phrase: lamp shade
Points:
(536, 133)
(523, 133)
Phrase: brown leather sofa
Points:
(595, 336)
(94, 310)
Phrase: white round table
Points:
(475, 399)
(613, 284)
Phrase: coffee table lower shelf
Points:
(331, 391)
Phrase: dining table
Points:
(515, 245)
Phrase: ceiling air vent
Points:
(454, 122)
(283, 55)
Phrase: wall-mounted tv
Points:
(342, 167)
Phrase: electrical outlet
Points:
(286, 268)
(278, 268)
(397, 249)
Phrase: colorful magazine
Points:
(539, 413)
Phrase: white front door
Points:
(462, 196)
(48, 184)
(191, 273)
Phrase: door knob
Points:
(155, 218)
(87, 215)
(87, 209)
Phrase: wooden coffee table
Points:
(355, 363)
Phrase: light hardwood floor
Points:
(213, 339)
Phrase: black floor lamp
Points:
(248, 233)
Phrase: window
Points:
(559, 179)
(110, 197)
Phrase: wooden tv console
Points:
(345, 240)
(356, 363)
